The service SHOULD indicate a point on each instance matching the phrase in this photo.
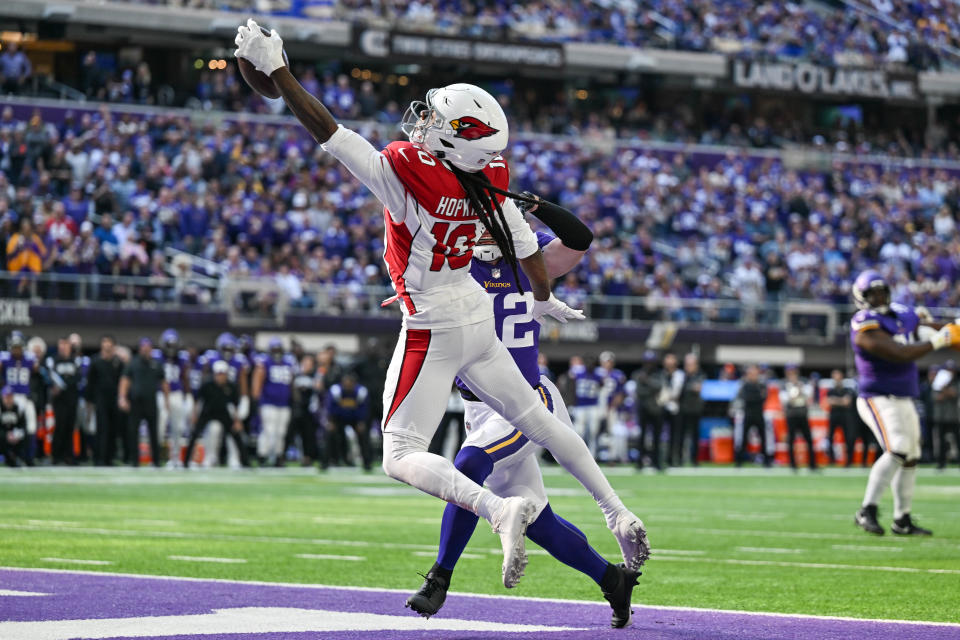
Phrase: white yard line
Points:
(863, 547)
(507, 599)
(813, 565)
(20, 594)
(327, 556)
(467, 556)
(99, 563)
(208, 559)
(771, 550)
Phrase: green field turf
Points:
(752, 541)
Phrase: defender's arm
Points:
(882, 345)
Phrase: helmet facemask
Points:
(486, 249)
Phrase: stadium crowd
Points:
(96, 193)
(153, 402)
(624, 113)
(888, 32)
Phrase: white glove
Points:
(923, 314)
(265, 52)
(948, 336)
(556, 309)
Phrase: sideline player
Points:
(887, 342)
(272, 390)
(173, 408)
(18, 366)
(438, 190)
(499, 454)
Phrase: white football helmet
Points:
(459, 123)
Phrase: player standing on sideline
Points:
(348, 405)
(439, 190)
(272, 384)
(887, 340)
(612, 395)
(172, 408)
(586, 411)
(495, 452)
(18, 366)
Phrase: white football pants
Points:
(172, 424)
(418, 382)
(273, 431)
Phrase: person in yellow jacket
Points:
(26, 252)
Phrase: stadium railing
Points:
(249, 300)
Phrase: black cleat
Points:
(905, 527)
(428, 600)
(619, 598)
(866, 519)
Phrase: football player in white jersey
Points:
(440, 190)
(499, 455)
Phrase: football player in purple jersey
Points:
(273, 376)
(172, 407)
(497, 453)
(17, 366)
(888, 339)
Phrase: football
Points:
(258, 80)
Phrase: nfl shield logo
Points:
(496, 273)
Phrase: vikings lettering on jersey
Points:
(17, 371)
(880, 377)
(278, 381)
(173, 367)
(516, 328)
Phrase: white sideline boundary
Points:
(768, 614)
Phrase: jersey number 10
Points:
(448, 240)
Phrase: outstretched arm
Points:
(311, 113)
(882, 344)
(265, 52)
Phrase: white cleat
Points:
(632, 537)
(511, 525)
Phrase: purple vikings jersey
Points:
(17, 371)
(173, 367)
(195, 375)
(612, 382)
(278, 381)
(237, 363)
(879, 377)
(516, 328)
(586, 386)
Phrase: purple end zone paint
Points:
(84, 596)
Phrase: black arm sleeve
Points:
(567, 227)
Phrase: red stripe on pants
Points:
(414, 353)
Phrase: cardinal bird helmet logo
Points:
(469, 128)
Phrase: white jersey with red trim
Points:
(430, 228)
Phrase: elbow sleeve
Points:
(571, 231)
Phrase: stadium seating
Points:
(257, 198)
(848, 32)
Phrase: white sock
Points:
(880, 476)
(572, 453)
(903, 482)
(404, 460)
